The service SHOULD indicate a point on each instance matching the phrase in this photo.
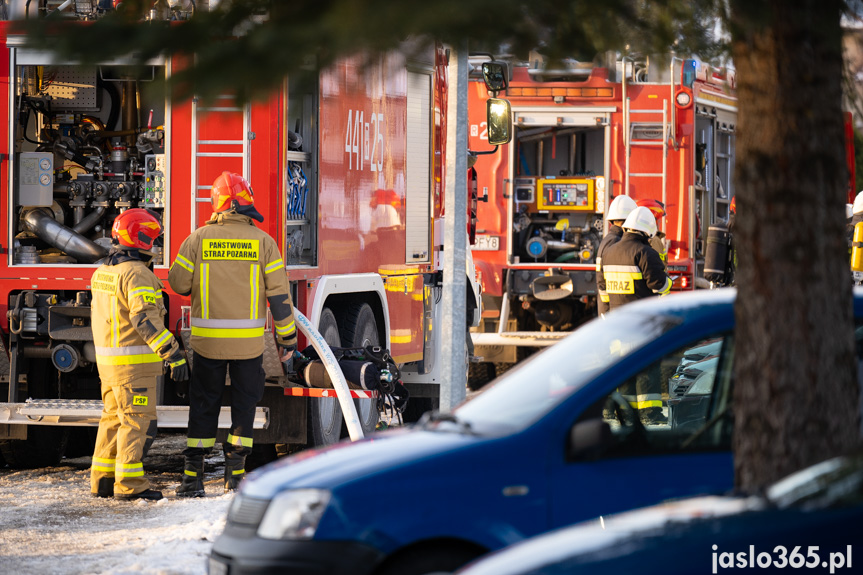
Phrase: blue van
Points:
(550, 443)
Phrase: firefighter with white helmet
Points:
(132, 344)
(232, 270)
(633, 270)
(657, 241)
(619, 209)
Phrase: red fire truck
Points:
(349, 177)
(582, 135)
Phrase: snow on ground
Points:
(50, 524)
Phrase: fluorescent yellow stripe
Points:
(238, 440)
(176, 363)
(253, 296)
(238, 471)
(159, 340)
(646, 404)
(286, 329)
(190, 473)
(184, 263)
(115, 319)
(130, 470)
(216, 332)
(100, 464)
(273, 266)
(141, 290)
(205, 290)
(198, 442)
(128, 359)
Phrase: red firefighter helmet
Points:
(136, 228)
(229, 188)
(656, 207)
(233, 191)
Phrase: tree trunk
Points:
(796, 391)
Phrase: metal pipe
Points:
(42, 223)
(85, 224)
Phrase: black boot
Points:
(235, 470)
(193, 478)
(149, 494)
(105, 488)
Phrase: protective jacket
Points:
(128, 330)
(657, 242)
(612, 237)
(131, 344)
(632, 270)
(231, 269)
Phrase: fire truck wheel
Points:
(480, 374)
(359, 329)
(44, 447)
(325, 414)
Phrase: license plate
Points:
(217, 567)
(486, 243)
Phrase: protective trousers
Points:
(205, 401)
(128, 422)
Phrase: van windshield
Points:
(534, 387)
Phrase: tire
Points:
(44, 447)
(480, 374)
(262, 453)
(360, 329)
(82, 441)
(325, 413)
(417, 406)
(436, 560)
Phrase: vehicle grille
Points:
(247, 511)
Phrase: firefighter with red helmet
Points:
(132, 344)
(232, 270)
(619, 209)
(633, 270)
(657, 242)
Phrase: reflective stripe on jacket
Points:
(632, 270)
(231, 268)
(128, 327)
(612, 237)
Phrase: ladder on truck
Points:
(647, 129)
(220, 141)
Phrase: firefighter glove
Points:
(180, 371)
(286, 356)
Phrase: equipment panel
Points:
(568, 194)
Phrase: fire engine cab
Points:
(583, 134)
(349, 176)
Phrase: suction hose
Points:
(42, 223)
(352, 420)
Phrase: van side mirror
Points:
(494, 74)
(499, 118)
(588, 439)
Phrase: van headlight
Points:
(294, 514)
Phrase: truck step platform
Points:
(86, 412)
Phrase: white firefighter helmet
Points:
(858, 203)
(620, 208)
(641, 220)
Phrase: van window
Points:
(680, 402)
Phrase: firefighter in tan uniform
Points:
(231, 269)
(131, 345)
